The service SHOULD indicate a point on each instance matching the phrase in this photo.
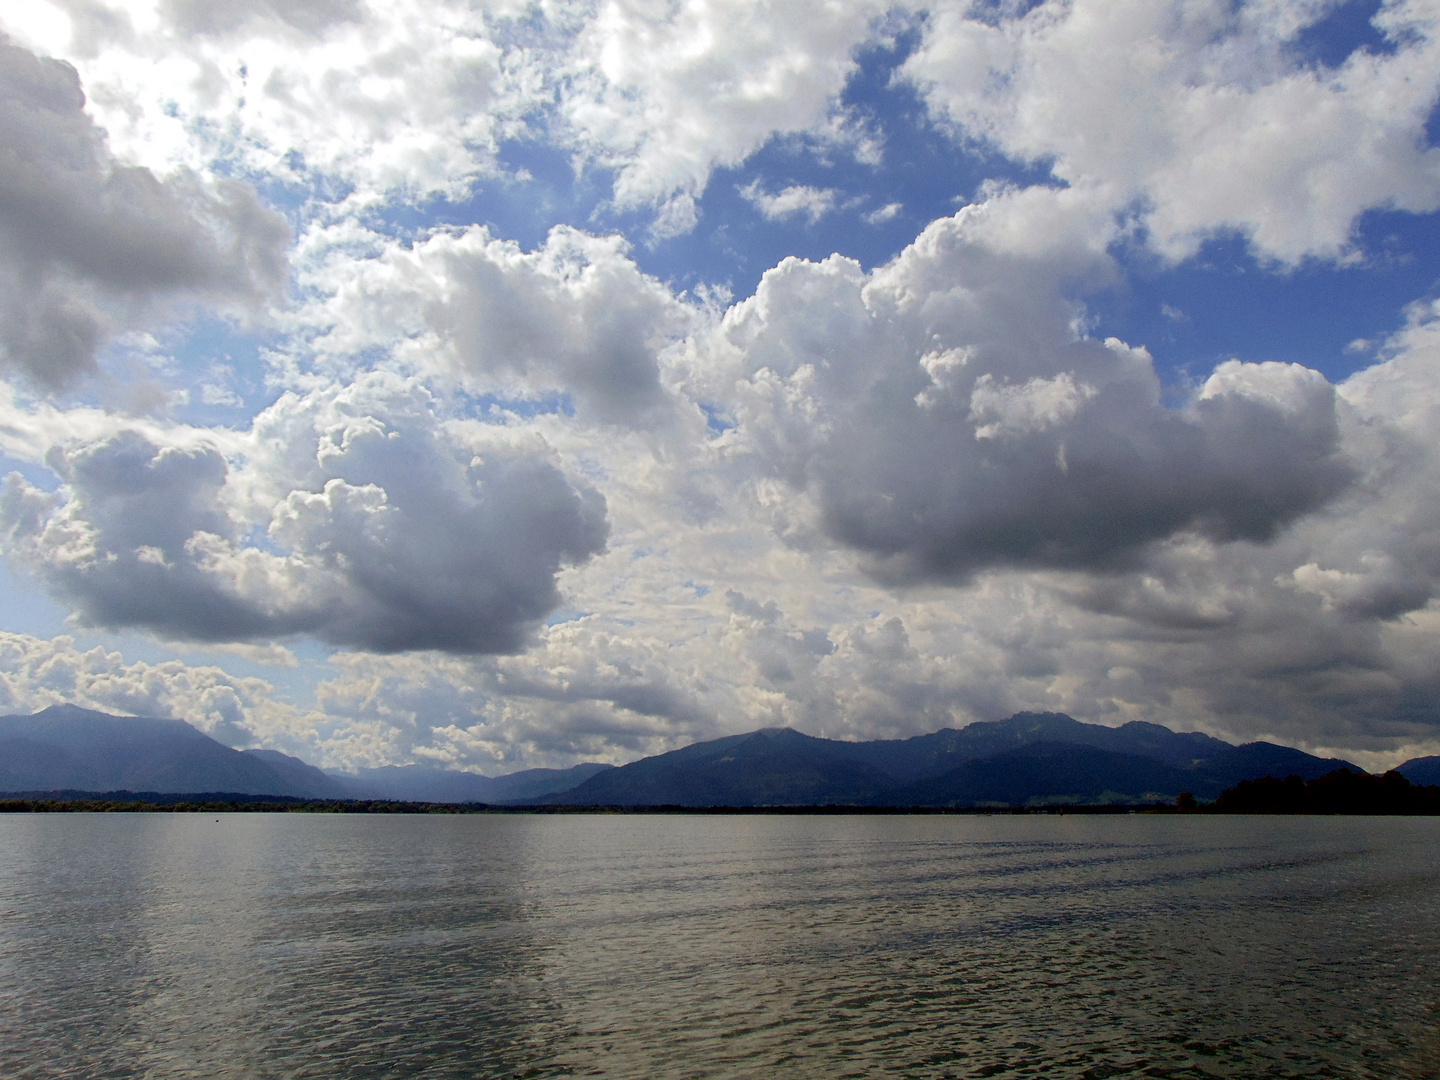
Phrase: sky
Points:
(507, 385)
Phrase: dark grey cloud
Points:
(87, 243)
(119, 547)
(396, 537)
(916, 490)
(464, 562)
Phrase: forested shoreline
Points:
(1341, 792)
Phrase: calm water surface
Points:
(296, 946)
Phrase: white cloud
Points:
(1200, 114)
(813, 203)
(383, 97)
(1322, 636)
(860, 502)
(1003, 410)
(412, 100)
(575, 316)
(884, 213)
(663, 95)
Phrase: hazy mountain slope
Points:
(1031, 757)
(773, 767)
(533, 784)
(1254, 760)
(1070, 773)
(831, 771)
(1183, 748)
(940, 751)
(315, 783)
(65, 747)
(423, 783)
(1046, 773)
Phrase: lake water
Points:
(254, 946)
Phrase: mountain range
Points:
(1029, 759)
(66, 748)
(73, 749)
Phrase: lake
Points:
(255, 945)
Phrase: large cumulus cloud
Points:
(950, 414)
(88, 244)
(352, 514)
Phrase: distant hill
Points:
(1421, 770)
(1257, 759)
(1072, 774)
(933, 754)
(66, 747)
(770, 767)
(1048, 773)
(531, 784)
(1030, 759)
(415, 783)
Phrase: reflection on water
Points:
(296, 946)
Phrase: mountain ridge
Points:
(67, 748)
(951, 767)
(1027, 759)
(1421, 770)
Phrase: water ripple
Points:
(290, 946)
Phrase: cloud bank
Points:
(352, 514)
(534, 496)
